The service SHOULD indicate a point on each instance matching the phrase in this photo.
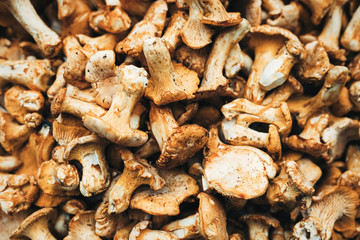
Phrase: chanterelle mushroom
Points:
(216, 14)
(177, 143)
(115, 123)
(141, 232)
(49, 42)
(259, 225)
(136, 173)
(82, 226)
(169, 81)
(178, 186)
(36, 226)
(351, 37)
(209, 222)
(237, 171)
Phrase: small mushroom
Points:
(194, 59)
(36, 226)
(209, 222)
(141, 232)
(78, 21)
(82, 226)
(236, 171)
(319, 9)
(259, 225)
(137, 172)
(23, 104)
(151, 26)
(34, 74)
(115, 123)
(253, 12)
(24, 12)
(169, 82)
(216, 14)
(171, 36)
(178, 187)
(351, 37)
(177, 143)
(9, 163)
(213, 79)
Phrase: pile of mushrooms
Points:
(180, 119)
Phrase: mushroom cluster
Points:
(180, 119)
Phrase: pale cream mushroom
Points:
(209, 222)
(351, 37)
(171, 36)
(137, 172)
(34, 74)
(141, 232)
(169, 82)
(115, 123)
(259, 225)
(36, 226)
(24, 12)
(213, 79)
(246, 176)
(319, 9)
(177, 143)
(178, 187)
(237, 61)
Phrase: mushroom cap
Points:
(239, 171)
(178, 186)
(261, 219)
(212, 217)
(82, 226)
(37, 218)
(181, 145)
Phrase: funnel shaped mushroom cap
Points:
(181, 145)
(239, 171)
(36, 225)
(178, 186)
(82, 226)
(212, 217)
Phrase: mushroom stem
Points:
(49, 42)
(186, 228)
(351, 36)
(273, 6)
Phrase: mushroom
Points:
(354, 92)
(141, 232)
(25, 14)
(266, 42)
(151, 26)
(194, 59)
(106, 41)
(65, 8)
(82, 226)
(24, 104)
(78, 21)
(216, 14)
(351, 37)
(169, 82)
(294, 184)
(58, 83)
(110, 18)
(13, 135)
(343, 104)
(339, 205)
(209, 222)
(115, 123)
(237, 60)
(89, 151)
(245, 176)
(17, 192)
(171, 36)
(303, 107)
(177, 143)
(34, 74)
(285, 16)
(36, 226)
(253, 12)
(178, 187)
(319, 9)
(9, 163)
(259, 225)
(136, 172)
(195, 33)
(213, 79)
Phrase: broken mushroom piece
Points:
(216, 14)
(177, 143)
(196, 34)
(141, 232)
(339, 205)
(24, 12)
(114, 125)
(178, 187)
(17, 192)
(36, 226)
(209, 222)
(89, 151)
(82, 226)
(194, 59)
(34, 74)
(151, 26)
(236, 171)
(319, 9)
(136, 172)
(351, 36)
(9, 163)
(213, 79)
(303, 107)
(24, 104)
(259, 225)
(169, 82)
